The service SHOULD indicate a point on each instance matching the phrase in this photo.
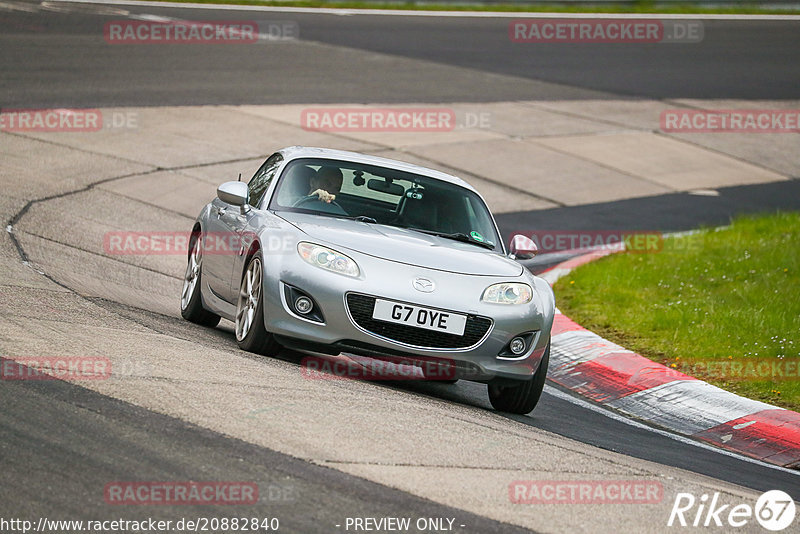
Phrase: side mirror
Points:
(234, 193)
(523, 248)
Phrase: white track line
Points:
(550, 390)
(455, 14)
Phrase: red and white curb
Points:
(608, 374)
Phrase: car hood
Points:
(404, 246)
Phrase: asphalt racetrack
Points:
(194, 407)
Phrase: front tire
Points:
(520, 398)
(250, 332)
(191, 301)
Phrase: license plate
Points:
(436, 320)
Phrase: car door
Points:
(217, 259)
(245, 226)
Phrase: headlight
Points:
(508, 293)
(327, 259)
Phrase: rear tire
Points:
(250, 332)
(191, 300)
(520, 398)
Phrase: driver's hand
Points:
(323, 195)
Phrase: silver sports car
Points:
(338, 252)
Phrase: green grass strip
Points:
(722, 305)
(637, 7)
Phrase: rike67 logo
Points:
(774, 510)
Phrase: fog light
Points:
(303, 305)
(517, 345)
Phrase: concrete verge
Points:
(608, 374)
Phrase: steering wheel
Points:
(313, 202)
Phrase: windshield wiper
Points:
(360, 218)
(363, 218)
(464, 238)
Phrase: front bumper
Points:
(482, 360)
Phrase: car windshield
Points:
(385, 196)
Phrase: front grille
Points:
(362, 306)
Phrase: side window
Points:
(260, 181)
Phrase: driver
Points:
(326, 183)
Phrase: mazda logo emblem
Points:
(423, 284)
